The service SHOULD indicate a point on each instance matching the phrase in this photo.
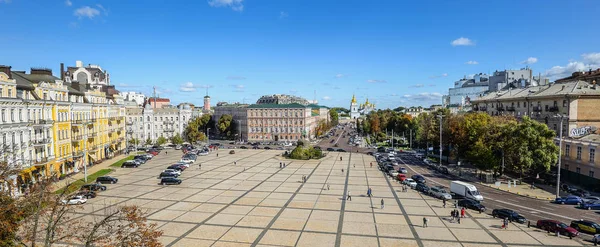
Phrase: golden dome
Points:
(353, 99)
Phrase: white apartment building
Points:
(138, 98)
(149, 122)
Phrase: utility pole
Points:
(562, 117)
(392, 139)
(410, 141)
(441, 117)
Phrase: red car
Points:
(153, 153)
(554, 226)
(401, 177)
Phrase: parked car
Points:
(75, 200)
(590, 205)
(93, 187)
(567, 188)
(149, 156)
(267, 148)
(140, 161)
(572, 200)
(178, 147)
(586, 226)
(471, 204)
(141, 157)
(130, 163)
(178, 172)
(243, 147)
(422, 188)
(153, 152)
(439, 192)
(557, 226)
(581, 193)
(177, 167)
(168, 174)
(170, 180)
(341, 150)
(508, 214)
(182, 164)
(232, 152)
(410, 182)
(591, 198)
(107, 179)
(403, 170)
(401, 177)
(330, 149)
(419, 179)
(186, 160)
(86, 194)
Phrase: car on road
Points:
(471, 204)
(341, 150)
(170, 180)
(557, 226)
(586, 226)
(403, 170)
(243, 147)
(422, 188)
(86, 193)
(580, 193)
(186, 160)
(179, 167)
(591, 198)
(401, 177)
(178, 172)
(440, 192)
(511, 215)
(168, 175)
(410, 182)
(107, 180)
(267, 148)
(75, 200)
(178, 147)
(419, 179)
(130, 163)
(572, 200)
(589, 205)
(140, 161)
(93, 187)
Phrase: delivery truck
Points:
(465, 190)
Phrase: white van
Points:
(465, 190)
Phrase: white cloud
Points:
(418, 85)
(234, 77)
(239, 86)
(462, 41)
(235, 5)
(472, 62)
(187, 87)
(376, 81)
(283, 14)
(340, 76)
(423, 97)
(68, 3)
(86, 11)
(530, 60)
(590, 61)
(326, 98)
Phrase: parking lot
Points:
(257, 203)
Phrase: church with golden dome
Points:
(357, 110)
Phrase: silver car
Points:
(439, 192)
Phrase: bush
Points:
(305, 153)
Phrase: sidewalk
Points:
(90, 170)
(523, 189)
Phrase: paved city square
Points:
(257, 203)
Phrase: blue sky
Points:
(393, 52)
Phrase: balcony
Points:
(77, 154)
(129, 123)
(77, 138)
(537, 108)
(41, 141)
(39, 123)
(553, 109)
(169, 130)
(169, 122)
(77, 123)
(510, 108)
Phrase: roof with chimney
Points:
(550, 90)
(589, 76)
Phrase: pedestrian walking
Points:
(166, 152)
(340, 158)
(452, 216)
(349, 198)
(217, 154)
(371, 164)
(444, 200)
(284, 165)
(425, 222)
(327, 186)
(459, 220)
(235, 163)
(506, 223)
(462, 212)
(342, 170)
(199, 166)
(382, 203)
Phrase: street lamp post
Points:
(560, 140)
(441, 117)
(207, 137)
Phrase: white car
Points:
(186, 160)
(410, 182)
(394, 173)
(187, 165)
(178, 172)
(178, 147)
(203, 153)
(75, 200)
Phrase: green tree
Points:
(134, 141)
(333, 115)
(148, 141)
(224, 125)
(196, 128)
(161, 140)
(176, 139)
(531, 147)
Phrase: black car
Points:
(176, 167)
(586, 226)
(168, 174)
(568, 188)
(93, 187)
(471, 204)
(107, 179)
(255, 147)
(508, 214)
(86, 193)
(267, 148)
(243, 147)
(141, 157)
(130, 163)
(341, 150)
(419, 179)
(330, 149)
(370, 153)
(170, 180)
(422, 187)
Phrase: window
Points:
(155, 118)
(3, 116)
(592, 155)
(518, 104)
(555, 103)
(564, 103)
(20, 115)
(567, 150)
(12, 115)
(554, 127)
(591, 173)
(579, 153)
(9, 92)
(578, 170)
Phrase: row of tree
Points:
(492, 143)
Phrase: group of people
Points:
(457, 215)
(281, 165)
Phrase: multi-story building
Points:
(466, 88)
(283, 122)
(591, 76)
(281, 99)
(239, 113)
(576, 101)
(415, 111)
(138, 98)
(151, 123)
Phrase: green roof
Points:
(273, 106)
(317, 106)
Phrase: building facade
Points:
(354, 113)
(281, 99)
(138, 98)
(147, 122)
(279, 122)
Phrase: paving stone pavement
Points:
(255, 203)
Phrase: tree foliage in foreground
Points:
(196, 128)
